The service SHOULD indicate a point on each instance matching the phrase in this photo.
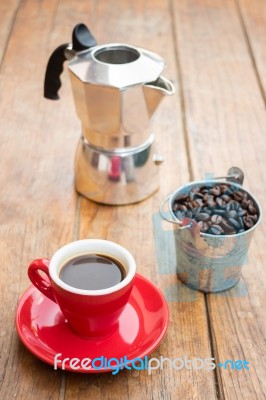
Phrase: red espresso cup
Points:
(90, 313)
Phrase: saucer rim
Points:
(41, 356)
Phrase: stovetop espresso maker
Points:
(116, 88)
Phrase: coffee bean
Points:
(216, 230)
(195, 189)
(175, 206)
(234, 223)
(195, 196)
(191, 196)
(226, 198)
(245, 203)
(206, 210)
(219, 201)
(203, 226)
(189, 214)
(254, 217)
(231, 214)
(199, 202)
(232, 205)
(227, 227)
(228, 192)
(248, 222)
(216, 191)
(198, 196)
(205, 189)
(189, 204)
(211, 203)
(205, 197)
(223, 188)
(202, 216)
(238, 195)
(183, 197)
(241, 223)
(216, 219)
(251, 208)
(194, 203)
(208, 197)
(241, 212)
(179, 215)
(196, 210)
(219, 211)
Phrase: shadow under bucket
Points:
(207, 262)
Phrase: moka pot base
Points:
(117, 177)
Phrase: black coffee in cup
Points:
(92, 272)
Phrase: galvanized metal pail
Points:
(207, 262)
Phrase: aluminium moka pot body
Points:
(117, 89)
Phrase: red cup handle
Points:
(42, 284)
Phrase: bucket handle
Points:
(172, 221)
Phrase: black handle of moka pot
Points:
(82, 39)
(54, 69)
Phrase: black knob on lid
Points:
(82, 38)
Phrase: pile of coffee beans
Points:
(219, 210)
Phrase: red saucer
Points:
(141, 327)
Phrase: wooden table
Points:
(215, 53)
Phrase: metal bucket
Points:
(206, 262)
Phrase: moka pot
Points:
(116, 88)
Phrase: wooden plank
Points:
(148, 24)
(7, 14)
(253, 19)
(225, 122)
(37, 199)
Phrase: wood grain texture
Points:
(148, 24)
(253, 20)
(225, 121)
(8, 12)
(215, 56)
(37, 199)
